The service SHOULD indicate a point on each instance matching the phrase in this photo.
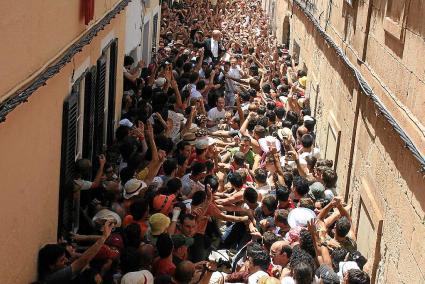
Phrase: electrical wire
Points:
(364, 86)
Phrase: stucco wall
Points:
(38, 30)
(376, 172)
(30, 151)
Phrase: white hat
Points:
(307, 118)
(133, 187)
(126, 122)
(284, 133)
(344, 266)
(264, 143)
(160, 82)
(106, 214)
(300, 216)
(143, 276)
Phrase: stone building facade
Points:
(341, 43)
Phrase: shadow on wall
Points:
(405, 163)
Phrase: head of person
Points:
(51, 258)
(300, 187)
(270, 162)
(269, 205)
(238, 160)
(245, 144)
(236, 180)
(220, 103)
(199, 197)
(258, 260)
(181, 244)
(260, 176)
(342, 227)
(170, 167)
(212, 181)
(188, 225)
(338, 255)
(164, 245)
(184, 148)
(307, 141)
(259, 132)
(269, 238)
(356, 276)
(216, 35)
(250, 197)
(329, 178)
(174, 186)
(139, 209)
(83, 168)
(158, 223)
(280, 253)
(233, 62)
(184, 272)
(282, 196)
(198, 171)
(281, 219)
(303, 273)
(128, 62)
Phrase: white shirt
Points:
(231, 86)
(189, 185)
(194, 93)
(215, 115)
(253, 279)
(214, 47)
(177, 119)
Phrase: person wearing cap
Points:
(142, 276)
(158, 224)
(133, 187)
(181, 245)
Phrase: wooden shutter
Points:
(99, 111)
(89, 106)
(69, 144)
(112, 92)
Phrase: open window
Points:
(72, 141)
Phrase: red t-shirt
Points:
(129, 220)
(163, 266)
(202, 219)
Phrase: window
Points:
(112, 92)
(369, 225)
(333, 141)
(296, 51)
(71, 142)
(395, 18)
(154, 34)
(145, 43)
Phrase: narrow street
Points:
(214, 141)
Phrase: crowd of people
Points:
(214, 176)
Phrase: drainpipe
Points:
(369, 16)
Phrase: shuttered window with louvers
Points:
(69, 145)
(89, 106)
(99, 112)
(112, 93)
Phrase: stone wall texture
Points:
(385, 41)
